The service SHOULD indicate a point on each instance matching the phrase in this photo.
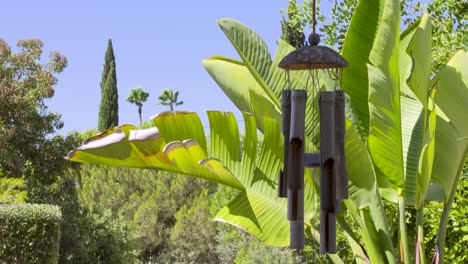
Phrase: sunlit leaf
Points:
(384, 142)
(126, 146)
(415, 60)
(418, 121)
(260, 216)
(452, 95)
(362, 179)
(360, 37)
(224, 139)
(258, 210)
(252, 50)
(238, 84)
(180, 126)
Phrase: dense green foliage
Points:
(160, 218)
(87, 237)
(456, 250)
(449, 20)
(28, 146)
(29, 233)
(109, 106)
(137, 96)
(45, 171)
(31, 156)
(456, 247)
(12, 190)
(183, 234)
(292, 27)
(25, 122)
(143, 202)
(336, 26)
(449, 25)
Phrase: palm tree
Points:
(138, 96)
(169, 97)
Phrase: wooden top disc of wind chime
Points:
(313, 56)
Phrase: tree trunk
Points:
(139, 113)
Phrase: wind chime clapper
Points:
(330, 159)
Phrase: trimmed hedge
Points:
(29, 233)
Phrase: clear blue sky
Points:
(157, 44)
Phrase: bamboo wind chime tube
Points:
(295, 169)
(285, 126)
(341, 174)
(328, 200)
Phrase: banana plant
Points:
(394, 104)
(401, 133)
(390, 87)
(242, 79)
(246, 81)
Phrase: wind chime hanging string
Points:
(315, 89)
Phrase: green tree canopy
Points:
(25, 121)
(28, 146)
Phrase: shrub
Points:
(29, 233)
(12, 190)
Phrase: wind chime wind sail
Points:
(330, 159)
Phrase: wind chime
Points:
(330, 159)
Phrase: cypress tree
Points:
(109, 106)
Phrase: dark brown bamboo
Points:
(295, 169)
(328, 200)
(285, 126)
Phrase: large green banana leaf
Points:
(357, 47)
(452, 96)
(364, 203)
(264, 71)
(242, 88)
(388, 84)
(172, 147)
(252, 50)
(415, 59)
(418, 122)
(372, 83)
(384, 141)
